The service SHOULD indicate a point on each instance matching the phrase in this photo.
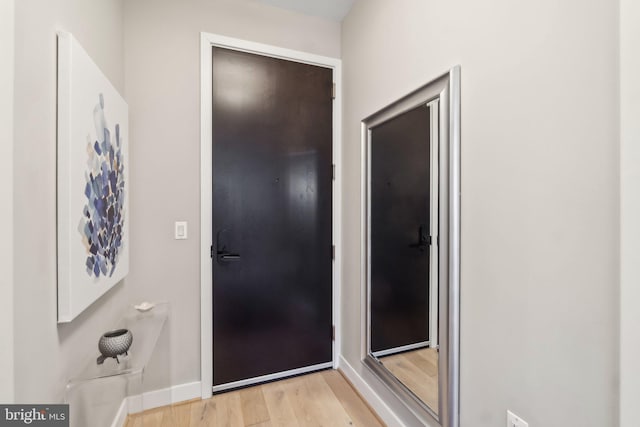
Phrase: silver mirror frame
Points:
(446, 89)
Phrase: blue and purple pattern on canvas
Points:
(103, 214)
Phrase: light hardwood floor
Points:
(418, 370)
(320, 399)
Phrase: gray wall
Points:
(162, 57)
(540, 181)
(46, 354)
(540, 203)
(162, 73)
(6, 195)
(630, 212)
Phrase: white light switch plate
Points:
(181, 230)
(515, 421)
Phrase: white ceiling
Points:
(330, 9)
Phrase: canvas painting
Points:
(93, 185)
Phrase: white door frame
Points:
(207, 41)
(434, 249)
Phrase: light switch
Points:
(181, 230)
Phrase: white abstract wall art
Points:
(93, 186)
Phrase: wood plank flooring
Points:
(418, 370)
(320, 399)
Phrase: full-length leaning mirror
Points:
(412, 248)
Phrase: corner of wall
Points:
(7, 380)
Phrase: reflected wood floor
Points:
(319, 399)
(418, 370)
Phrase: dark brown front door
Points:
(272, 209)
(400, 183)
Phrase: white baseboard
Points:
(186, 391)
(156, 399)
(372, 398)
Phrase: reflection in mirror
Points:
(412, 248)
(402, 237)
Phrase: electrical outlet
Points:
(515, 421)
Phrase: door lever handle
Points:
(222, 254)
(424, 240)
(228, 257)
(421, 245)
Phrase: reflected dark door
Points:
(272, 184)
(400, 182)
